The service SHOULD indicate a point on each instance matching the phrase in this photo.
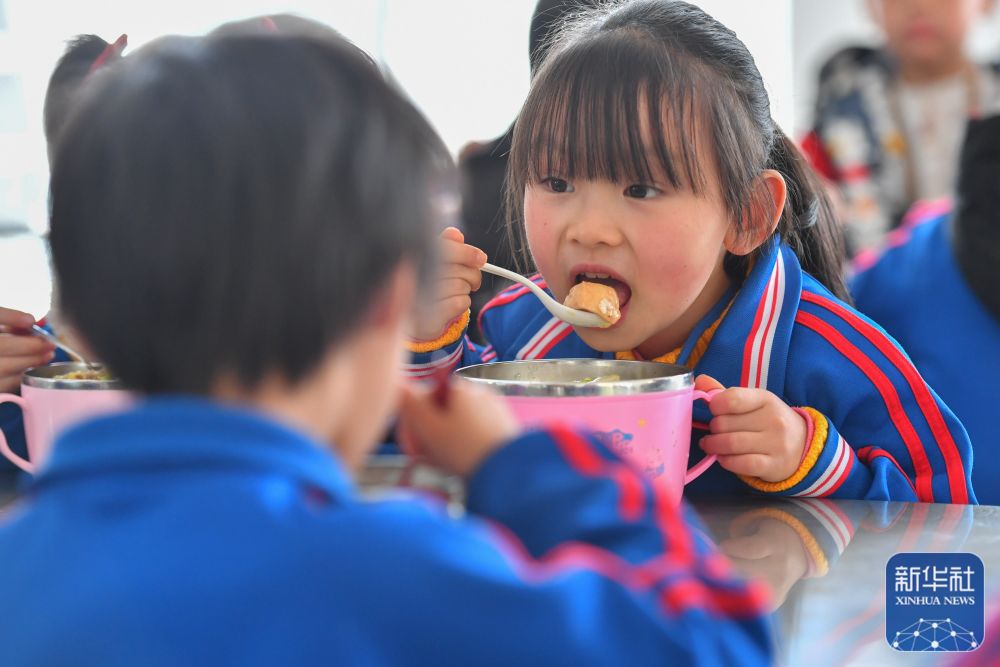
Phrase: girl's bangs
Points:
(612, 109)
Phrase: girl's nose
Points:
(594, 226)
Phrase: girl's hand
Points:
(459, 436)
(19, 349)
(460, 276)
(753, 432)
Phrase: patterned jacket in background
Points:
(856, 141)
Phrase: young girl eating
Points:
(645, 158)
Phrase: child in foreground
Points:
(246, 257)
(645, 158)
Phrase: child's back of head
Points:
(259, 185)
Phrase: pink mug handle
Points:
(5, 449)
(701, 466)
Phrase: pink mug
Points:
(51, 403)
(640, 409)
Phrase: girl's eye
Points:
(557, 184)
(638, 191)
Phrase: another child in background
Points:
(483, 166)
(247, 257)
(19, 349)
(889, 120)
(645, 158)
(935, 290)
(84, 55)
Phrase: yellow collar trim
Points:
(700, 347)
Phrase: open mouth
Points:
(620, 287)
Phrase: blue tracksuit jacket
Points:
(880, 432)
(186, 533)
(917, 292)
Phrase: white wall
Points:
(765, 26)
(464, 62)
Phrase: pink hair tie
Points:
(115, 48)
(269, 24)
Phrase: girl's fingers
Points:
(452, 307)
(15, 319)
(751, 422)
(707, 383)
(453, 287)
(14, 366)
(729, 444)
(750, 465)
(471, 276)
(737, 400)
(462, 253)
(453, 234)
(24, 346)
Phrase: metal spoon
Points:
(578, 318)
(39, 331)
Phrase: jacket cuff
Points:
(454, 331)
(816, 433)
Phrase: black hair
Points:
(229, 206)
(622, 65)
(75, 63)
(546, 21)
(975, 231)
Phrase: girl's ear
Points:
(767, 202)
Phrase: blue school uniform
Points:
(917, 292)
(879, 431)
(183, 532)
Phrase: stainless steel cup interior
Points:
(579, 377)
(45, 377)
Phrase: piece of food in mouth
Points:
(602, 300)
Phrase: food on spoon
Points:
(85, 374)
(596, 298)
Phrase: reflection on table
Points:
(823, 559)
(826, 560)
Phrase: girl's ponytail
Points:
(808, 225)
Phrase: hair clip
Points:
(114, 48)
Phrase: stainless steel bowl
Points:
(579, 377)
(46, 377)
